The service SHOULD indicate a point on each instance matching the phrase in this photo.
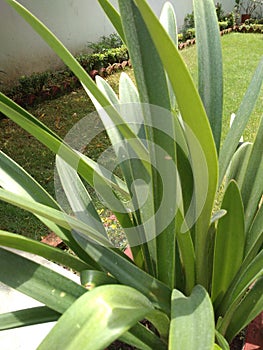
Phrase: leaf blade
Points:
(104, 320)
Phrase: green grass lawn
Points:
(241, 54)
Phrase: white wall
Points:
(75, 22)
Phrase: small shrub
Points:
(189, 34)
(231, 20)
(219, 12)
(223, 25)
(105, 43)
(189, 22)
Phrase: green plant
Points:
(223, 25)
(230, 18)
(196, 274)
(219, 12)
(189, 22)
(105, 43)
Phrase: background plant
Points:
(106, 43)
(209, 268)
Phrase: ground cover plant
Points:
(196, 274)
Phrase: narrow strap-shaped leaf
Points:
(153, 90)
(161, 322)
(168, 20)
(129, 274)
(113, 16)
(48, 287)
(98, 318)
(192, 321)
(27, 317)
(151, 83)
(185, 91)
(57, 216)
(242, 116)
(91, 279)
(238, 165)
(210, 69)
(142, 338)
(242, 281)
(25, 244)
(86, 167)
(129, 96)
(78, 197)
(229, 243)
(222, 341)
(254, 238)
(187, 255)
(252, 187)
(17, 180)
(247, 310)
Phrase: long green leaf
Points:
(78, 197)
(113, 16)
(242, 116)
(98, 318)
(153, 90)
(229, 243)
(185, 91)
(86, 167)
(57, 216)
(17, 180)
(16, 241)
(142, 338)
(210, 70)
(27, 317)
(192, 321)
(252, 188)
(242, 281)
(127, 273)
(168, 20)
(254, 238)
(222, 341)
(49, 287)
(238, 166)
(248, 309)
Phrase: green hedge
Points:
(51, 84)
